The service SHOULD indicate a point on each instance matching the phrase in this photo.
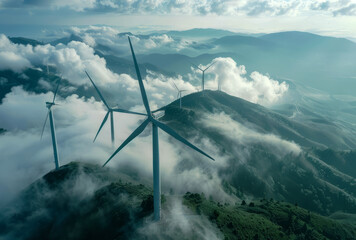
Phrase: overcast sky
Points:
(327, 17)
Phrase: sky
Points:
(326, 17)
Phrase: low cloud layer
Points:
(72, 60)
(256, 88)
(25, 157)
(245, 136)
(117, 42)
(206, 7)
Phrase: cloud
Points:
(179, 222)
(246, 136)
(117, 42)
(25, 158)
(258, 88)
(348, 10)
(72, 60)
(195, 7)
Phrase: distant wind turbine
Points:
(179, 95)
(203, 74)
(49, 105)
(110, 112)
(155, 148)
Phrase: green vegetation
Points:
(86, 201)
(268, 219)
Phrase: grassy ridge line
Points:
(268, 220)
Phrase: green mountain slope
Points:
(83, 201)
(258, 146)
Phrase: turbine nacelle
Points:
(49, 104)
(110, 111)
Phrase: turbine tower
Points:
(155, 148)
(109, 112)
(179, 95)
(49, 105)
(203, 73)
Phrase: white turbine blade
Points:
(102, 124)
(127, 111)
(129, 139)
(178, 95)
(171, 132)
(209, 66)
(55, 93)
(97, 90)
(142, 87)
(44, 125)
(175, 86)
(196, 66)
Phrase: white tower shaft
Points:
(54, 139)
(156, 175)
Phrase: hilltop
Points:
(84, 201)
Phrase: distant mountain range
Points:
(325, 63)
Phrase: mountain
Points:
(199, 33)
(304, 57)
(259, 148)
(122, 65)
(313, 133)
(67, 40)
(85, 201)
(25, 41)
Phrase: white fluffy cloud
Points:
(70, 60)
(195, 7)
(243, 135)
(110, 37)
(24, 157)
(73, 59)
(258, 88)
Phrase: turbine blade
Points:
(175, 86)
(97, 90)
(142, 87)
(209, 66)
(102, 124)
(171, 132)
(127, 111)
(129, 139)
(178, 95)
(55, 93)
(44, 125)
(196, 66)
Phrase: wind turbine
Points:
(49, 105)
(155, 148)
(109, 112)
(179, 95)
(203, 71)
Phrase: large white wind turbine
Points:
(179, 95)
(203, 73)
(110, 112)
(49, 105)
(155, 125)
